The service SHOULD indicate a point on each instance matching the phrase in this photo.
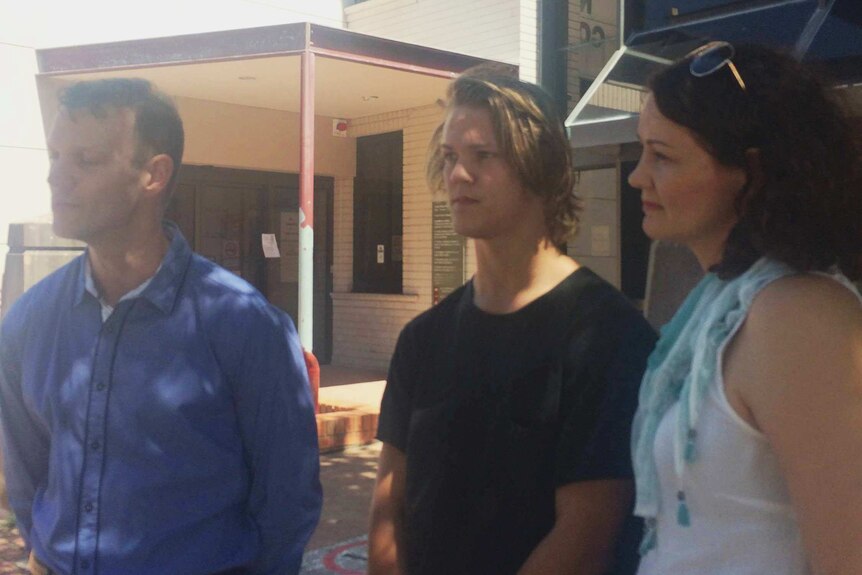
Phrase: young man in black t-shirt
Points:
(506, 416)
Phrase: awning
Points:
(825, 33)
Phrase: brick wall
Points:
(593, 38)
(484, 28)
(597, 243)
(528, 40)
(366, 326)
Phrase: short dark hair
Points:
(158, 126)
(808, 212)
(531, 136)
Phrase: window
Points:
(377, 219)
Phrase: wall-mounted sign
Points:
(290, 247)
(447, 257)
(230, 249)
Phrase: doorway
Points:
(223, 214)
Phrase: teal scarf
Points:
(681, 368)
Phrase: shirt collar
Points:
(163, 287)
(107, 309)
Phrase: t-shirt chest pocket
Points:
(533, 399)
(526, 440)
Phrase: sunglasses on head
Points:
(714, 56)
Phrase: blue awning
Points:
(826, 33)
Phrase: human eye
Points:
(89, 159)
(486, 154)
(659, 155)
(449, 157)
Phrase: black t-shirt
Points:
(494, 412)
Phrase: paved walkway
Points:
(12, 559)
(331, 375)
(338, 547)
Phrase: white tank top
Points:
(741, 519)
(742, 522)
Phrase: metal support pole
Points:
(306, 202)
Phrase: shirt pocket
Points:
(534, 397)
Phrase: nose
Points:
(58, 174)
(459, 173)
(638, 178)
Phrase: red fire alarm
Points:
(339, 128)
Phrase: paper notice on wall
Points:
(270, 246)
(600, 240)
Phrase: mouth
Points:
(61, 204)
(462, 201)
(648, 206)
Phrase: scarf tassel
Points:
(683, 517)
(690, 451)
(649, 539)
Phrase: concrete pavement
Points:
(339, 545)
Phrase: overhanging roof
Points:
(356, 74)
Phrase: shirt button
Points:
(94, 445)
(101, 386)
(85, 564)
(88, 507)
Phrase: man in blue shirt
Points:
(156, 409)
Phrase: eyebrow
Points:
(470, 146)
(84, 149)
(655, 142)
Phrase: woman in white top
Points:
(748, 439)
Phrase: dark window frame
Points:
(378, 215)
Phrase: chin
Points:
(650, 231)
(68, 231)
(463, 228)
(63, 230)
(655, 231)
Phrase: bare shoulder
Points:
(799, 377)
(802, 340)
(802, 304)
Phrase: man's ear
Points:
(159, 170)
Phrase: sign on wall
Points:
(447, 253)
(289, 233)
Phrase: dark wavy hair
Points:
(158, 126)
(531, 137)
(808, 211)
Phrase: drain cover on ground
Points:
(346, 558)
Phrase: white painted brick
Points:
(365, 329)
(484, 28)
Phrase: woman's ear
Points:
(754, 170)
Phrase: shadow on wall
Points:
(673, 272)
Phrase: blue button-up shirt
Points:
(177, 437)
